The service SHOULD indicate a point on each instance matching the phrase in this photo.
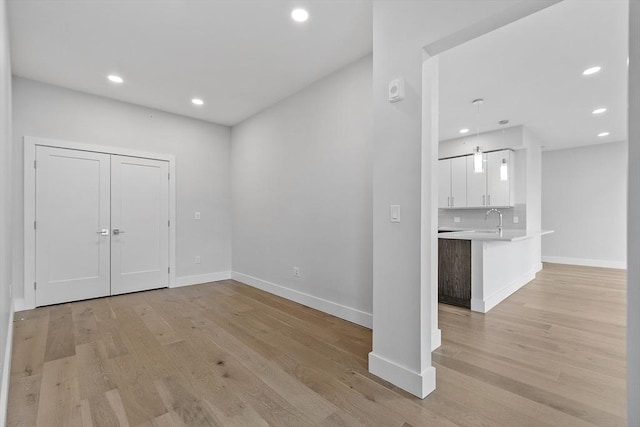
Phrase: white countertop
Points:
(510, 235)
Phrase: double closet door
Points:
(102, 224)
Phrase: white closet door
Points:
(72, 233)
(140, 224)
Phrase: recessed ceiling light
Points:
(591, 70)
(603, 134)
(197, 101)
(115, 79)
(299, 15)
(599, 110)
(465, 130)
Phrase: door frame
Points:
(30, 144)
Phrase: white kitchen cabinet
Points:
(452, 184)
(459, 182)
(477, 184)
(444, 183)
(486, 189)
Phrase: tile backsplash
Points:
(475, 218)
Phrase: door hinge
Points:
(34, 164)
(34, 225)
(169, 223)
(169, 175)
(169, 270)
(35, 286)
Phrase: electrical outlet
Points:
(456, 219)
(198, 259)
(516, 220)
(197, 215)
(296, 271)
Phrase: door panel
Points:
(72, 208)
(476, 185)
(459, 182)
(444, 183)
(140, 216)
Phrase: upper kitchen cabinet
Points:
(444, 183)
(452, 184)
(476, 184)
(493, 187)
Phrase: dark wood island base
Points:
(454, 272)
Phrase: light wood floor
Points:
(227, 354)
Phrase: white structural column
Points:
(404, 299)
(633, 218)
(403, 293)
(429, 198)
(405, 170)
(402, 343)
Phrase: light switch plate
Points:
(197, 215)
(394, 213)
(456, 219)
(516, 220)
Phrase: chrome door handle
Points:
(117, 231)
(103, 232)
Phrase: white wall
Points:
(534, 194)
(584, 192)
(201, 150)
(5, 206)
(301, 190)
(633, 218)
(533, 178)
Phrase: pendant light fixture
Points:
(504, 170)
(478, 160)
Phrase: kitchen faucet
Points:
(486, 217)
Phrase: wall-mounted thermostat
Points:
(396, 90)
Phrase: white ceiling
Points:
(239, 56)
(530, 72)
(242, 56)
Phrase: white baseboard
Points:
(418, 384)
(483, 306)
(585, 262)
(342, 311)
(6, 370)
(201, 278)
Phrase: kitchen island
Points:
(480, 268)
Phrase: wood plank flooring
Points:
(553, 354)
